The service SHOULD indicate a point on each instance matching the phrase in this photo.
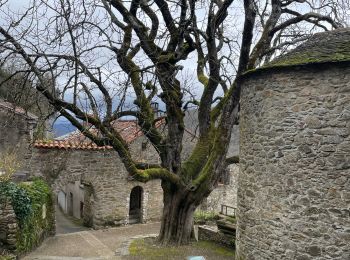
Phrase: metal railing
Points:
(228, 210)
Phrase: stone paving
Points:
(75, 242)
(65, 224)
(90, 244)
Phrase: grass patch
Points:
(219, 250)
(149, 249)
(203, 217)
(145, 248)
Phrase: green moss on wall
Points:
(339, 52)
(19, 199)
(326, 47)
(33, 205)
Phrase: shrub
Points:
(8, 165)
(202, 217)
(20, 200)
(27, 200)
(36, 227)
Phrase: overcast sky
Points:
(189, 65)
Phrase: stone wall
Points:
(106, 185)
(210, 233)
(294, 181)
(8, 225)
(16, 135)
(224, 193)
(74, 196)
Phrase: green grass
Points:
(141, 248)
(217, 249)
(148, 249)
(201, 217)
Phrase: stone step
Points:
(226, 227)
(134, 220)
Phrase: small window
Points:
(225, 177)
(144, 146)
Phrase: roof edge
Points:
(323, 64)
(18, 110)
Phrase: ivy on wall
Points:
(38, 224)
(20, 200)
(34, 208)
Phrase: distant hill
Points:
(63, 128)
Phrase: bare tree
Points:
(15, 88)
(9, 164)
(102, 53)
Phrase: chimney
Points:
(155, 107)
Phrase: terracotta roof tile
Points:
(128, 129)
(66, 144)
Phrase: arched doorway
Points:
(135, 207)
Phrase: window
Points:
(225, 177)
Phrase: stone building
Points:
(92, 183)
(16, 133)
(294, 181)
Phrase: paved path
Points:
(90, 245)
(65, 224)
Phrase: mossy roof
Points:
(325, 47)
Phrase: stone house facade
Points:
(95, 184)
(92, 183)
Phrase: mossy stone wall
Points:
(41, 222)
(8, 225)
(34, 215)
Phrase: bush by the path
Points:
(33, 205)
(203, 217)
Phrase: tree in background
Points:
(101, 54)
(18, 90)
(9, 164)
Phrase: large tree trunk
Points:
(177, 219)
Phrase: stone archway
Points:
(135, 205)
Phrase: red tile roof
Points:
(66, 144)
(17, 110)
(128, 129)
